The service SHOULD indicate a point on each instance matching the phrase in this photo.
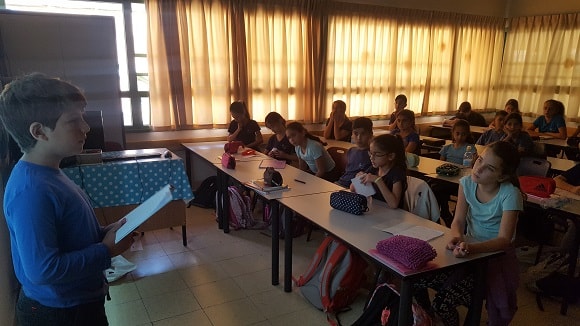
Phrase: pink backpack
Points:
(333, 278)
(240, 215)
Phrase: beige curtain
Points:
(205, 54)
(437, 59)
(542, 61)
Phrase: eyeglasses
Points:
(371, 154)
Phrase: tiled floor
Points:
(224, 279)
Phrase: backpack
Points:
(205, 194)
(297, 224)
(382, 309)
(333, 278)
(240, 215)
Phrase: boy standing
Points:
(357, 158)
(58, 249)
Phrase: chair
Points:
(534, 166)
(338, 154)
(420, 199)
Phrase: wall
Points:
(485, 8)
(542, 7)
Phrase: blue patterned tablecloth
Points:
(130, 182)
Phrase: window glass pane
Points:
(145, 111)
(139, 17)
(127, 113)
(141, 65)
(143, 83)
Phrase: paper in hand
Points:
(143, 212)
(362, 189)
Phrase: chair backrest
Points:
(534, 166)
(420, 199)
(338, 154)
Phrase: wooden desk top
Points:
(212, 152)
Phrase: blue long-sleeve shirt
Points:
(55, 237)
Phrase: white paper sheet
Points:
(418, 232)
(144, 211)
(361, 188)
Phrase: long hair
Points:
(274, 117)
(510, 160)
(559, 106)
(392, 144)
(240, 107)
(514, 104)
(297, 126)
(406, 113)
(464, 124)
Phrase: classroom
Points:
(159, 77)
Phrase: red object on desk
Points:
(248, 152)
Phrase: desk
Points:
(115, 188)
(361, 233)
(476, 131)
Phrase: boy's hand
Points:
(109, 239)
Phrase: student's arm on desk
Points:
(562, 183)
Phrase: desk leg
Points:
(405, 302)
(288, 250)
(275, 207)
(474, 313)
(226, 202)
(184, 235)
(188, 163)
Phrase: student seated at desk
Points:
(408, 132)
(388, 173)
(400, 104)
(312, 156)
(489, 201)
(243, 128)
(338, 126)
(279, 146)
(552, 122)
(464, 112)
(59, 250)
(514, 135)
(357, 158)
(511, 106)
(453, 153)
(569, 180)
(496, 133)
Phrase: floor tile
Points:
(122, 292)
(151, 267)
(197, 318)
(275, 302)
(255, 282)
(235, 313)
(216, 293)
(246, 264)
(127, 314)
(160, 284)
(170, 304)
(202, 274)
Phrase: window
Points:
(131, 36)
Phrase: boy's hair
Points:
(274, 117)
(36, 98)
(340, 105)
(501, 113)
(559, 106)
(513, 103)
(510, 161)
(516, 116)
(464, 107)
(240, 107)
(297, 126)
(401, 97)
(363, 122)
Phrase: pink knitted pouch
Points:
(411, 252)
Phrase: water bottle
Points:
(467, 157)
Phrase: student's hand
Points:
(461, 250)
(453, 243)
(368, 178)
(109, 239)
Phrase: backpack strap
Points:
(320, 253)
(337, 255)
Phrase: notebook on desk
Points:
(131, 154)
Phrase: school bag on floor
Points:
(333, 278)
(383, 310)
(240, 215)
(204, 195)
